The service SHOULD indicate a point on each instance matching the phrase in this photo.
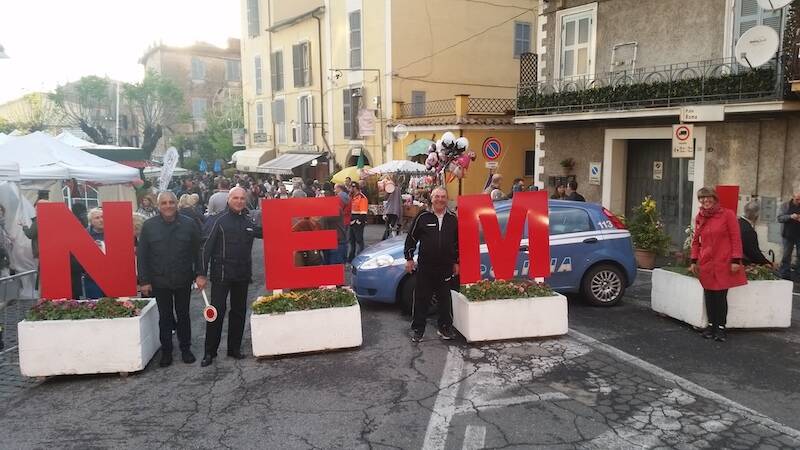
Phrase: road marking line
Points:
(445, 405)
(8, 350)
(474, 437)
(685, 384)
(512, 401)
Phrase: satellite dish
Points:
(757, 46)
(772, 5)
(400, 132)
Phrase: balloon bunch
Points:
(450, 155)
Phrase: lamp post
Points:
(3, 54)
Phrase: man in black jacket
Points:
(789, 216)
(166, 255)
(751, 252)
(436, 232)
(228, 241)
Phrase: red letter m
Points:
(477, 211)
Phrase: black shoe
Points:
(207, 360)
(235, 355)
(446, 333)
(166, 359)
(188, 357)
(719, 334)
(416, 336)
(708, 332)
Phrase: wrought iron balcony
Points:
(711, 81)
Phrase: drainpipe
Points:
(322, 89)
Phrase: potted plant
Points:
(492, 310)
(647, 233)
(764, 302)
(568, 165)
(69, 337)
(304, 321)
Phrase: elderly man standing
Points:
(166, 256)
(227, 244)
(789, 216)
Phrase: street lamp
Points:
(3, 54)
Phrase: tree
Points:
(6, 126)
(159, 103)
(86, 103)
(34, 112)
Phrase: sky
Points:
(51, 42)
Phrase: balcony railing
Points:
(432, 108)
(491, 105)
(712, 81)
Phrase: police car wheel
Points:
(406, 299)
(603, 285)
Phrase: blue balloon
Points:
(218, 166)
(203, 165)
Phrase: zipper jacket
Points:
(438, 247)
(227, 246)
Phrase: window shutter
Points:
(306, 49)
(747, 17)
(355, 39)
(346, 122)
(310, 119)
(252, 18)
(297, 65)
(278, 112)
(257, 70)
(355, 103)
(273, 74)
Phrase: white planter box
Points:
(494, 320)
(306, 331)
(73, 347)
(759, 304)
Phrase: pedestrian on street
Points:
(495, 183)
(359, 206)
(146, 207)
(393, 210)
(572, 192)
(167, 261)
(517, 186)
(560, 192)
(789, 216)
(751, 252)
(96, 230)
(227, 246)
(335, 223)
(218, 201)
(716, 259)
(436, 232)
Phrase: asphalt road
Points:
(623, 378)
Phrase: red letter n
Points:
(477, 211)
(61, 234)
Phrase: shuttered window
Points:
(276, 73)
(349, 114)
(279, 119)
(354, 19)
(576, 43)
(253, 27)
(749, 15)
(259, 117)
(305, 110)
(257, 74)
(301, 64)
(522, 38)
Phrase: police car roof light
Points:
(618, 224)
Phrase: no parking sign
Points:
(492, 147)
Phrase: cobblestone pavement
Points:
(568, 392)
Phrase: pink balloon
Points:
(464, 161)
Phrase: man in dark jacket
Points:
(750, 250)
(436, 232)
(166, 255)
(789, 216)
(227, 243)
(572, 192)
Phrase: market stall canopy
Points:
(9, 171)
(353, 172)
(419, 147)
(283, 165)
(74, 141)
(42, 157)
(398, 166)
(155, 172)
(3, 138)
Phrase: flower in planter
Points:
(753, 272)
(505, 289)
(69, 309)
(647, 230)
(304, 299)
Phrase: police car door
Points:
(572, 239)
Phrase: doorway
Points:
(651, 170)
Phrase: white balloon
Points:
(462, 144)
(448, 139)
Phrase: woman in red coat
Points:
(716, 259)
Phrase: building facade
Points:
(209, 77)
(382, 63)
(614, 77)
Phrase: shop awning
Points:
(248, 160)
(283, 165)
(419, 147)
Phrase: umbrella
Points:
(218, 166)
(203, 165)
(419, 147)
(353, 172)
(396, 166)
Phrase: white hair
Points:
(166, 194)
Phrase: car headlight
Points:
(376, 262)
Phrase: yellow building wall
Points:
(511, 161)
(483, 65)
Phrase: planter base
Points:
(312, 331)
(77, 347)
(495, 320)
(759, 304)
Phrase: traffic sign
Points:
(595, 169)
(683, 141)
(492, 165)
(492, 147)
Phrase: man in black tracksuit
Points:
(436, 231)
(228, 241)
(166, 256)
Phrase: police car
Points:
(591, 254)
